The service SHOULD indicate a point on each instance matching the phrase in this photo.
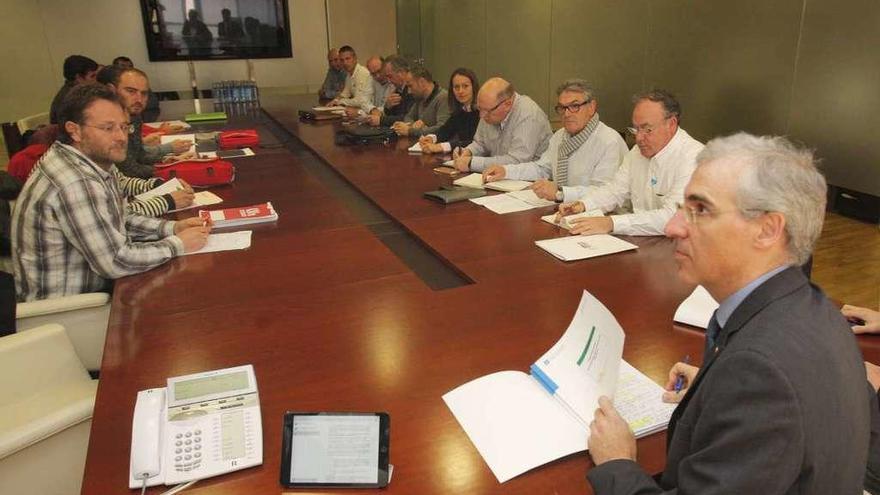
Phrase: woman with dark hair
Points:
(462, 124)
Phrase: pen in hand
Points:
(679, 382)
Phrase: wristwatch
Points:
(559, 195)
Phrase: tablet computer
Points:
(335, 450)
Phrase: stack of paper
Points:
(565, 223)
(334, 108)
(697, 309)
(529, 196)
(416, 148)
(502, 203)
(226, 242)
(475, 180)
(202, 198)
(579, 247)
(246, 215)
(470, 180)
(518, 422)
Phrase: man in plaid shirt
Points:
(70, 228)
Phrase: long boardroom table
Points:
(333, 320)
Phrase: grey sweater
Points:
(433, 111)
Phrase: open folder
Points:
(520, 421)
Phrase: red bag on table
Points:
(242, 138)
(202, 172)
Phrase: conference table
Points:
(332, 319)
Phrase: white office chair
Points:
(32, 122)
(84, 316)
(46, 404)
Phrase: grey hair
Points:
(778, 177)
(398, 63)
(577, 86)
(671, 106)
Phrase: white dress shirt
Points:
(380, 92)
(358, 90)
(654, 185)
(592, 165)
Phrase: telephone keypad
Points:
(186, 462)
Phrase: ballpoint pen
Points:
(679, 382)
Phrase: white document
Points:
(167, 187)
(226, 242)
(507, 185)
(449, 163)
(174, 137)
(202, 198)
(416, 148)
(502, 203)
(565, 223)
(474, 180)
(697, 309)
(174, 124)
(579, 247)
(333, 109)
(529, 196)
(518, 421)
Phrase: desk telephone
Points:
(199, 426)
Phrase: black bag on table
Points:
(361, 135)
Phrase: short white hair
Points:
(778, 177)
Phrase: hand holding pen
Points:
(681, 376)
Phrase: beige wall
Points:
(44, 32)
(800, 68)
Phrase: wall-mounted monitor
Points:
(216, 29)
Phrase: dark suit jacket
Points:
(780, 407)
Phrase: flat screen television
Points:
(216, 29)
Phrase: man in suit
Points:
(780, 405)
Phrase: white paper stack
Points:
(697, 309)
(579, 247)
(416, 148)
(201, 198)
(226, 242)
(565, 223)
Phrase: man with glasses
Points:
(133, 88)
(512, 129)
(70, 228)
(781, 403)
(652, 176)
(584, 153)
(399, 101)
(382, 87)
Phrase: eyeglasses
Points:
(109, 128)
(495, 107)
(571, 107)
(647, 129)
(693, 214)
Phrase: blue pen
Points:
(679, 382)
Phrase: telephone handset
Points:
(199, 426)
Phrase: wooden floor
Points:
(846, 261)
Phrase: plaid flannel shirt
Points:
(72, 232)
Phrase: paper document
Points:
(225, 154)
(519, 421)
(201, 198)
(565, 223)
(529, 196)
(697, 309)
(167, 187)
(334, 109)
(507, 185)
(174, 137)
(169, 125)
(471, 180)
(226, 242)
(579, 247)
(416, 148)
(502, 203)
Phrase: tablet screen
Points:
(336, 449)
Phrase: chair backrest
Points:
(33, 121)
(12, 138)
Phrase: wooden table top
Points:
(331, 319)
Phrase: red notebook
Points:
(243, 215)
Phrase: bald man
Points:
(382, 87)
(512, 129)
(334, 81)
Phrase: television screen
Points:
(216, 29)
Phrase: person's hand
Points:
(461, 159)
(352, 112)
(870, 318)
(427, 139)
(418, 124)
(610, 436)
(192, 222)
(180, 145)
(333, 103)
(185, 185)
(401, 128)
(571, 208)
(688, 373)
(493, 173)
(873, 373)
(182, 198)
(432, 148)
(545, 189)
(591, 226)
(194, 238)
(374, 119)
(392, 100)
(154, 139)
(189, 155)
